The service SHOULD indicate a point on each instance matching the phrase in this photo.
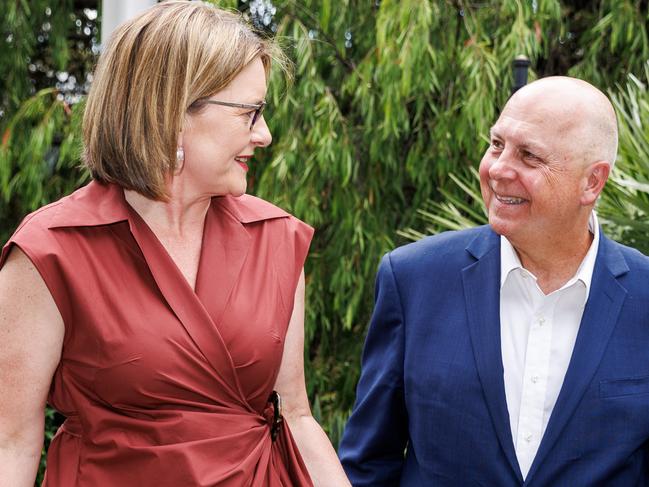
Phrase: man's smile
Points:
(508, 199)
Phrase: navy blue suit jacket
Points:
(430, 408)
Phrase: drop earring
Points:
(180, 159)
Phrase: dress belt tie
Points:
(273, 414)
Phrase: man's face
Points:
(530, 177)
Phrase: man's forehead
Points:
(511, 126)
(538, 115)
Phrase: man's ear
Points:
(595, 178)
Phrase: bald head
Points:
(578, 110)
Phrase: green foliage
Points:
(40, 38)
(460, 208)
(39, 154)
(625, 204)
(388, 113)
(619, 32)
(44, 43)
(24, 26)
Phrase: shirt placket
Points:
(535, 380)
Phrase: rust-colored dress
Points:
(161, 385)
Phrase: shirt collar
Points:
(585, 271)
(510, 261)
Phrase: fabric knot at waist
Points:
(273, 414)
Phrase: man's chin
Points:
(502, 227)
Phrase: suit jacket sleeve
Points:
(373, 444)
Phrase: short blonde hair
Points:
(153, 71)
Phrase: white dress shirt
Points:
(538, 335)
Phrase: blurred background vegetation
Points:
(375, 143)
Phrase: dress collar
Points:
(103, 204)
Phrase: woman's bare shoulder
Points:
(25, 301)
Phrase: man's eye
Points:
(531, 159)
(496, 144)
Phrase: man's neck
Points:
(554, 261)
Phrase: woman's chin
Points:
(236, 192)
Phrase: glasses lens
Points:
(257, 114)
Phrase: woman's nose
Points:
(261, 135)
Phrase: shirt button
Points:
(528, 438)
(541, 321)
(535, 379)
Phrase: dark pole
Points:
(519, 66)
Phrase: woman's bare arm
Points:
(315, 448)
(31, 337)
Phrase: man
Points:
(516, 353)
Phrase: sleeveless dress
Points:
(162, 385)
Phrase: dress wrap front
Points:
(162, 384)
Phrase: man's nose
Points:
(503, 167)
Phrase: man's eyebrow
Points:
(493, 131)
(530, 146)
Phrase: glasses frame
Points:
(258, 108)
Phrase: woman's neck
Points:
(176, 217)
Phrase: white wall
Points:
(114, 12)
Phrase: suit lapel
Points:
(482, 295)
(598, 322)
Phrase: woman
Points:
(157, 308)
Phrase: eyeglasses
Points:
(257, 108)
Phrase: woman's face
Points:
(218, 141)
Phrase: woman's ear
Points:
(595, 178)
